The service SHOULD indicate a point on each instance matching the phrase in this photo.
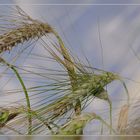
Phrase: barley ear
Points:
(123, 119)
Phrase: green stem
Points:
(27, 98)
(25, 92)
(110, 113)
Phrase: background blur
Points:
(107, 32)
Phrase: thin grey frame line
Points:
(71, 4)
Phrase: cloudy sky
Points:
(107, 32)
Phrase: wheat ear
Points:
(89, 88)
(21, 34)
